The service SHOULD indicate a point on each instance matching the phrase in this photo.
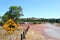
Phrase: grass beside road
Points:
(15, 35)
(34, 35)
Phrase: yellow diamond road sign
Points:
(10, 26)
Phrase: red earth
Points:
(41, 28)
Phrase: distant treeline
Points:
(36, 20)
(52, 20)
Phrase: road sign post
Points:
(10, 38)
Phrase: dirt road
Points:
(36, 32)
(50, 32)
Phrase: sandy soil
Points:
(16, 35)
(36, 32)
(42, 27)
(52, 32)
(34, 35)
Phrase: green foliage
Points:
(1, 23)
(39, 22)
(34, 23)
(15, 12)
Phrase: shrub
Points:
(1, 23)
(34, 23)
(39, 23)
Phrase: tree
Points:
(15, 12)
(0, 18)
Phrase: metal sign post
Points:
(10, 37)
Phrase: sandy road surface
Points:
(33, 35)
(50, 32)
(36, 32)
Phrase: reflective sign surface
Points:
(10, 26)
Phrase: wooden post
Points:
(21, 37)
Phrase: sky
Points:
(33, 8)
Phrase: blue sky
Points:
(33, 8)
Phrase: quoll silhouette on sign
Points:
(11, 26)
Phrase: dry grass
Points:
(34, 35)
(15, 35)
